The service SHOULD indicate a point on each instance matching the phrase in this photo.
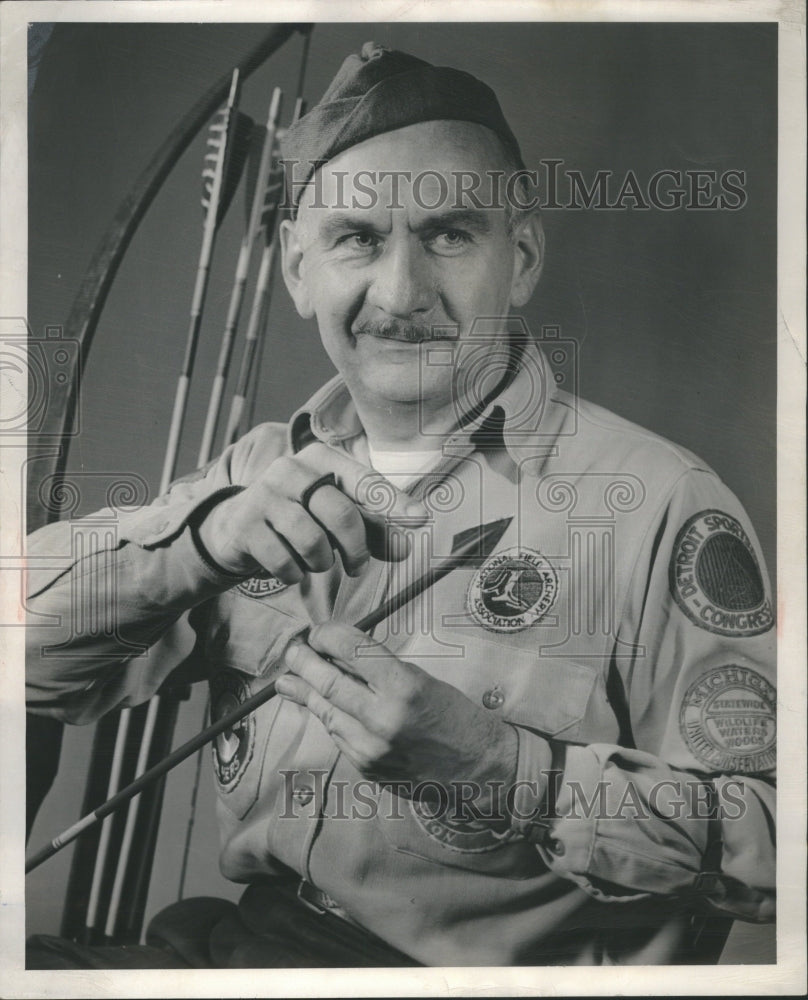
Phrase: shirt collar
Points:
(512, 417)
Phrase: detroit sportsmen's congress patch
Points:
(715, 577)
(727, 719)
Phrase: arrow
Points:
(469, 548)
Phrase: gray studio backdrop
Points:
(673, 312)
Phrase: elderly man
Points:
(559, 755)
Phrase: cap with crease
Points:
(380, 90)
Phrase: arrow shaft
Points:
(462, 555)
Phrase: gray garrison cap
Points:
(380, 90)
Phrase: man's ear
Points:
(292, 266)
(528, 249)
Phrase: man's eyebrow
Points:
(456, 218)
(343, 222)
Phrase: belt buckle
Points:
(305, 892)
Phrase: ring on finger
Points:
(329, 479)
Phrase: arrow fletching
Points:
(228, 144)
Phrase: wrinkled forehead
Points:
(428, 167)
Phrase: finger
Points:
(303, 535)
(364, 749)
(295, 477)
(336, 687)
(290, 478)
(347, 529)
(376, 495)
(335, 721)
(329, 520)
(359, 655)
(270, 552)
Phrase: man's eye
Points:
(450, 240)
(359, 241)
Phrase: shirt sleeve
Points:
(101, 590)
(686, 807)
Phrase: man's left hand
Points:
(392, 720)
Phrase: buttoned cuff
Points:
(150, 527)
(195, 522)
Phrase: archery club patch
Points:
(232, 749)
(512, 590)
(728, 720)
(466, 836)
(263, 584)
(715, 577)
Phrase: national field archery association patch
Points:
(727, 719)
(715, 577)
(232, 749)
(512, 590)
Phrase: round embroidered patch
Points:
(232, 749)
(263, 584)
(728, 720)
(466, 836)
(512, 590)
(715, 577)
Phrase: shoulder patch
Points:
(727, 719)
(512, 590)
(261, 585)
(715, 577)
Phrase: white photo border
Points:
(787, 976)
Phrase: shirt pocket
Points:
(548, 696)
(249, 635)
(242, 638)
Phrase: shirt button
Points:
(304, 794)
(494, 698)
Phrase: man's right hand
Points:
(267, 527)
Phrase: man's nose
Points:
(403, 283)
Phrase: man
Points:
(558, 756)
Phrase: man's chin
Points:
(402, 381)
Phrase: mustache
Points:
(403, 330)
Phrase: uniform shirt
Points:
(623, 626)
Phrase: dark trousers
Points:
(270, 928)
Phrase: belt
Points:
(320, 902)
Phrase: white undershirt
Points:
(402, 467)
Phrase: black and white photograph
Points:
(403, 499)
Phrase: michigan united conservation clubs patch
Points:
(715, 577)
(512, 590)
(727, 719)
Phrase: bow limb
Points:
(92, 294)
